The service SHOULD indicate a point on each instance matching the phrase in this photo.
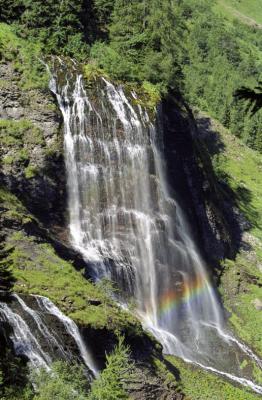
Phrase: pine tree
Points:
(6, 277)
(110, 385)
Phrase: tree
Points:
(110, 385)
(253, 96)
(11, 10)
(7, 279)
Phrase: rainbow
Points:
(188, 291)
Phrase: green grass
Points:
(18, 138)
(251, 9)
(13, 133)
(37, 269)
(25, 57)
(198, 384)
(241, 168)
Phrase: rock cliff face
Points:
(209, 208)
(32, 147)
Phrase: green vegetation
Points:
(69, 381)
(204, 50)
(246, 11)
(194, 50)
(13, 375)
(18, 139)
(198, 384)
(218, 55)
(18, 133)
(31, 171)
(170, 381)
(140, 48)
(221, 56)
(6, 278)
(25, 57)
(110, 385)
(65, 382)
(37, 269)
(240, 168)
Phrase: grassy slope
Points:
(248, 11)
(37, 269)
(201, 385)
(241, 169)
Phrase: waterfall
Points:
(31, 333)
(41, 326)
(47, 306)
(128, 227)
(24, 341)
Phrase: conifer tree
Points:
(6, 277)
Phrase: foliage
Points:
(19, 132)
(110, 385)
(140, 48)
(6, 278)
(220, 57)
(58, 26)
(193, 50)
(31, 171)
(65, 382)
(17, 139)
(69, 381)
(91, 71)
(13, 374)
(25, 57)
(253, 96)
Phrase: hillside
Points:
(249, 12)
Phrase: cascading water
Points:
(47, 306)
(124, 222)
(23, 340)
(34, 338)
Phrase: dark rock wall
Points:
(33, 167)
(192, 180)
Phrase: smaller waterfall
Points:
(71, 328)
(34, 338)
(41, 326)
(23, 340)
